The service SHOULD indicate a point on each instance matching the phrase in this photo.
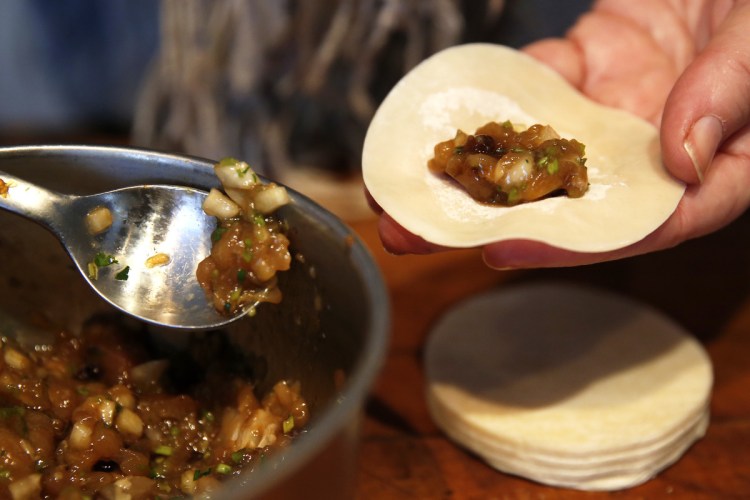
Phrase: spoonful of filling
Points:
(146, 249)
(249, 244)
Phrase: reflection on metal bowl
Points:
(333, 318)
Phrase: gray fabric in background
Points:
(79, 63)
(73, 63)
(525, 21)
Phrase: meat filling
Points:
(249, 246)
(500, 165)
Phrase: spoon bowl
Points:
(158, 235)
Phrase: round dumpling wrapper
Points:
(567, 385)
(467, 86)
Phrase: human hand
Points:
(686, 70)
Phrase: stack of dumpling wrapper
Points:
(568, 386)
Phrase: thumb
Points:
(710, 101)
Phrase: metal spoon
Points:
(147, 221)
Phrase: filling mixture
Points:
(94, 416)
(249, 245)
(500, 165)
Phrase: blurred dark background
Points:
(87, 71)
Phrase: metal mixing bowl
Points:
(334, 316)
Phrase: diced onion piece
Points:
(127, 488)
(256, 431)
(107, 410)
(235, 174)
(123, 396)
(28, 487)
(80, 435)
(217, 204)
(460, 139)
(271, 198)
(242, 197)
(187, 482)
(546, 134)
(98, 220)
(263, 269)
(16, 360)
(518, 168)
(149, 372)
(27, 447)
(92, 271)
(128, 422)
(160, 259)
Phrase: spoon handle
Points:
(31, 201)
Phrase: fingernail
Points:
(504, 266)
(702, 142)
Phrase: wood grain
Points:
(704, 285)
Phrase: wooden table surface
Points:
(704, 285)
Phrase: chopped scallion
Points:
(12, 411)
(553, 166)
(163, 450)
(200, 473)
(228, 161)
(123, 274)
(288, 424)
(103, 260)
(217, 233)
